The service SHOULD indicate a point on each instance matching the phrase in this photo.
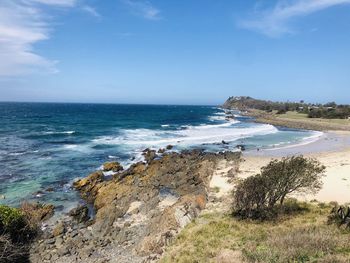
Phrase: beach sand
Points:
(332, 150)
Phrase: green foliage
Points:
(340, 112)
(328, 111)
(256, 197)
(12, 222)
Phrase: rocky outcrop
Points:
(112, 166)
(138, 212)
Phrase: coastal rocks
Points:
(112, 166)
(149, 155)
(169, 147)
(241, 147)
(138, 211)
(38, 211)
(80, 214)
(89, 186)
(60, 229)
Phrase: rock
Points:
(37, 211)
(149, 155)
(89, 186)
(223, 142)
(241, 147)
(50, 241)
(59, 241)
(80, 213)
(112, 166)
(50, 189)
(59, 229)
(161, 150)
(169, 147)
(139, 210)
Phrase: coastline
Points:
(332, 149)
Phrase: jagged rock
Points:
(80, 214)
(89, 186)
(149, 155)
(38, 211)
(112, 166)
(138, 211)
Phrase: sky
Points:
(174, 52)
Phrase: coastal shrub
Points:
(11, 252)
(340, 215)
(257, 196)
(18, 227)
(12, 222)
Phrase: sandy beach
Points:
(332, 150)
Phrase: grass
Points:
(301, 237)
(293, 115)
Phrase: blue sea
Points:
(49, 145)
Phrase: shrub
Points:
(12, 222)
(257, 196)
(18, 227)
(10, 252)
(340, 215)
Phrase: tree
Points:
(257, 196)
(293, 174)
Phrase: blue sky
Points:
(178, 52)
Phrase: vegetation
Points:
(302, 236)
(327, 111)
(340, 215)
(257, 196)
(18, 227)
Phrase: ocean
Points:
(44, 147)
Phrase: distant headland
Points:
(299, 115)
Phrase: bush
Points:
(11, 252)
(256, 197)
(12, 222)
(18, 227)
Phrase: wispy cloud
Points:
(143, 8)
(275, 21)
(91, 11)
(22, 24)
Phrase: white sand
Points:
(336, 183)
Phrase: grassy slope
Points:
(303, 237)
(299, 120)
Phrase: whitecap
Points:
(70, 146)
(16, 153)
(192, 135)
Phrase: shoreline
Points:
(332, 150)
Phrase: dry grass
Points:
(303, 237)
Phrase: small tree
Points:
(257, 196)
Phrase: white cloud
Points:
(143, 8)
(275, 22)
(22, 24)
(90, 10)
